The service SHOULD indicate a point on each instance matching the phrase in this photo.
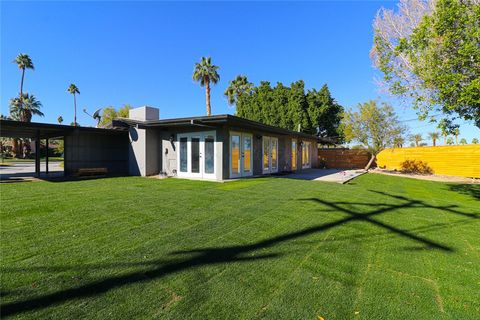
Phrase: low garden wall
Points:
(462, 161)
(343, 158)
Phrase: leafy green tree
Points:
(428, 53)
(23, 109)
(23, 62)
(74, 90)
(375, 125)
(205, 73)
(325, 114)
(463, 141)
(474, 141)
(297, 107)
(398, 142)
(110, 113)
(236, 88)
(434, 136)
(450, 141)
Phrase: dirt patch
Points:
(431, 177)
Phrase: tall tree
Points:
(434, 136)
(24, 62)
(375, 125)
(236, 88)
(463, 141)
(297, 106)
(416, 139)
(110, 113)
(205, 73)
(474, 141)
(74, 90)
(325, 114)
(456, 133)
(429, 54)
(23, 109)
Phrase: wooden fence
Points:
(462, 161)
(343, 158)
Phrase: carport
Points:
(84, 147)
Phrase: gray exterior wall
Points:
(144, 152)
(96, 150)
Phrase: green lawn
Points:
(122, 248)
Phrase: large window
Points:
(270, 154)
(235, 140)
(306, 154)
(266, 153)
(196, 154)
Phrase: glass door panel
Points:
(209, 154)
(294, 155)
(195, 155)
(183, 155)
(274, 156)
(247, 154)
(266, 154)
(235, 154)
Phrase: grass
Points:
(380, 247)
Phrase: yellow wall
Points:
(462, 161)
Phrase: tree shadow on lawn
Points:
(222, 255)
(472, 190)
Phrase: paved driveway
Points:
(26, 170)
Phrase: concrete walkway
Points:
(328, 175)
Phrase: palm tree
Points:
(434, 136)
(23, 109)
(463, 141)
(236, 88)
(74, 90)
(205, 72)
(24, 62)
(416, 138)
(60, 119)
(456, 133)
(449, 141)
(398, 142)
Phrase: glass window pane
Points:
(247, 153)
(195, 155)
(209, 154)
(294, 155)
(235, 154)
(183, 154)
(266, 152)
(274, 154)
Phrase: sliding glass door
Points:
(196, 155)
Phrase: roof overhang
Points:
(19, 129)
(212, 122)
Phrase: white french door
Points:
(241, 154)
(270, 155)
(196, 155)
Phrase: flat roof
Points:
(19, 129)
(223, 119)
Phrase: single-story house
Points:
(215, 147)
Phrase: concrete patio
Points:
(327, 175)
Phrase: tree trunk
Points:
(370, 162)
(434, 142)
(74, 110)
(14, 147)
(207, 97)
(21, 85)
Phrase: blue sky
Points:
(142, 53)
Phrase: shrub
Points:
(416, 166)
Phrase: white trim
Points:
(241, 164)
(270, 168)
(201, 170)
